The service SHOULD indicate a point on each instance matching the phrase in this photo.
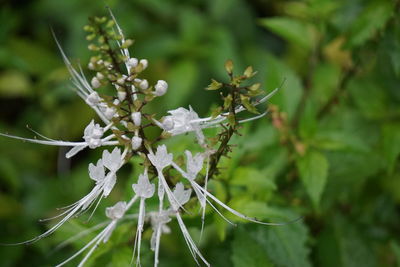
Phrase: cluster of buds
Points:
(124, 118)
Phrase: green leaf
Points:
(289, 95)
(396, 251)
(229, 66)
(227, 101)
(14, 84)
(249, 72)
(313, 170)
(247, 252)
(391, 144)
(257, 183)
(373, 18)
(343, 244)
(285, 245)
(369, 97)
(214, 85)
(294, 31)
(245, 100)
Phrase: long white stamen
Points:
(192, 246)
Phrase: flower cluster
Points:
(124, 119)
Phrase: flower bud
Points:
(161, 88)
(121, 80)
(144, 84)
(144, 63)
(136, 142)
(168, 123)
(91, 66)
(100, 76)
(109, 113)
(95, 82)
(133, 62)
(121, 95)
(136, 118)
(93, 99)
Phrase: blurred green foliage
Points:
(329, 151)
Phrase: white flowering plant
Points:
(177, 181)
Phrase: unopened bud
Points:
(93, 99)
(136, 142)
(100, 76)
(109, 113)
(161, 88)
(144, 63)
(144, 84)
(95, 83)
(136, 118)
(121, 95)
(168, 123)
(133, 62)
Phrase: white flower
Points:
(144, 63)
(109, 183)
(144, 84)
(117, 211)
(95, 82)
(113, 160)
(182, 119)
(181, 195)
(160, 88)
(133, 62)
(93, 99)
(159, 221)
(162, 158)
(136, 142)
(136, 118)
(193, 164)
(92, 134)
(121, 95)
(144, 188)
(97, 172)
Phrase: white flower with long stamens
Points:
(115, 213)
(182, 120)
(162, 158)
(93, 99)
(182, 197)
(113, 160)
(122, 114)
(92, 135)
(194, 164)
(159, 223)
(143, 189)
(97, 172)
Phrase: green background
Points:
(331, 156)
